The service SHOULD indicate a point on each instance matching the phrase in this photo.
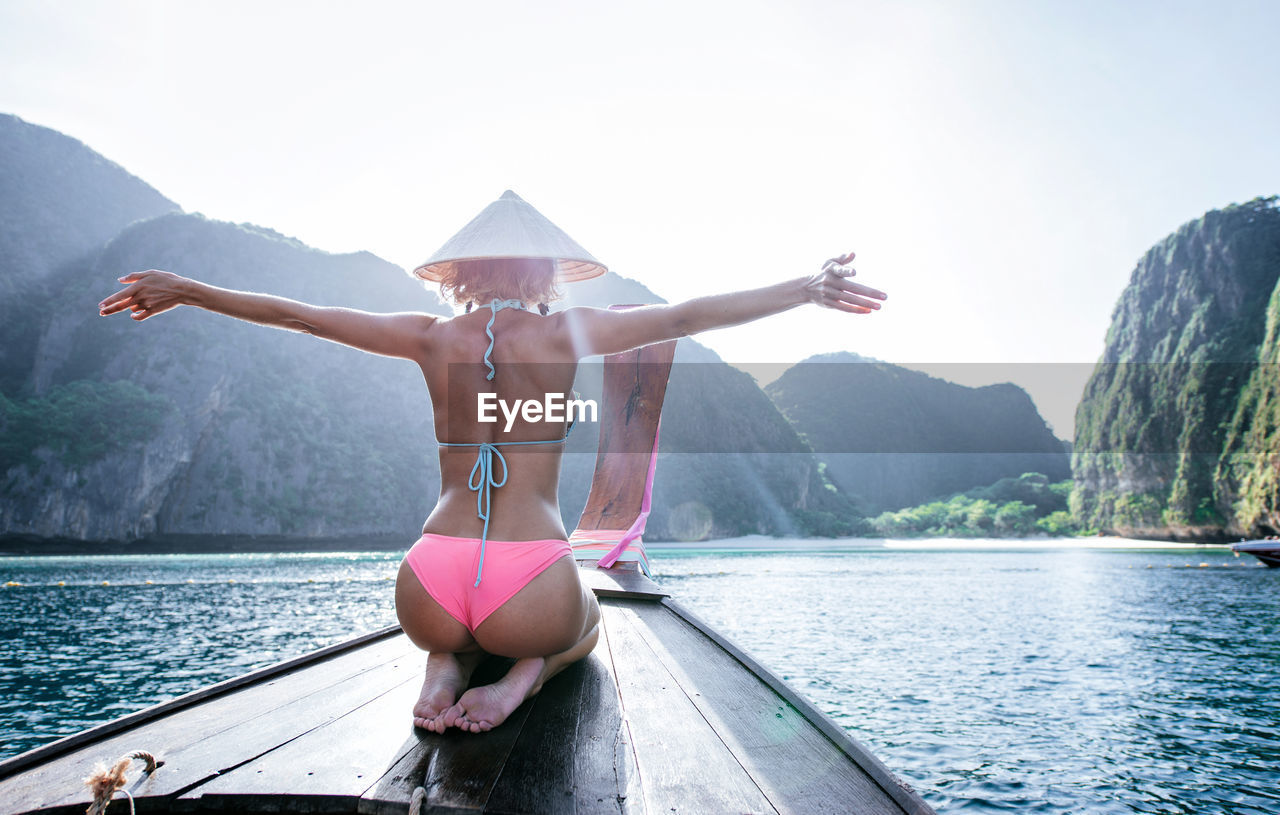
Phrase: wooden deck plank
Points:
(464, 767)
(625, 766)
(564, 758)
(598, 735)
(457, 770)
(626, 760)
(677, 750)
(902, 794)
(617, 582)
(538, 776)
(48, 752)
(328, 767)
(600, 778)
(317, 713)
(394, 789)
(200, 741)
(797, 766)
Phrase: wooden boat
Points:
(666, 715)
(1268, 551)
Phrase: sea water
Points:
(1040, 678)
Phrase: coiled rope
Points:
(415, 803)
(104, 783)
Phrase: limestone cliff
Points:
(1248, 474)
(1175, 433)
(261, 432)
(60, 202)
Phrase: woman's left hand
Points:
(146, 294)
(832, 288)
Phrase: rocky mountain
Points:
(195, 426)
(1176, 432)
(247, 431)
(1248, 473)
(60, 203)
(891, 437)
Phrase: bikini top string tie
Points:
(495, 307)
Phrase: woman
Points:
(493, 572)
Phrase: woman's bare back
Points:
(531, 359)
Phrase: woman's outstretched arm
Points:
(149, 293)
(597, 331)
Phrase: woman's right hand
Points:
(832, 288)
(146, 294)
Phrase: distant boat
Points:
(1268, 551)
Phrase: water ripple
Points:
(1052, 681)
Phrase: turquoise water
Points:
(1046, 681)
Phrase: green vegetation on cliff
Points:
(1011, 507)
(79, 422)
(1173, 431)
(1249, 470)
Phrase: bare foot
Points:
(488, 706)
(447, 675)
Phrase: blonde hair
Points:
(532, 280)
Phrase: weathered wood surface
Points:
(213, 732)
(676, 749)
(330, 765)
(794, 709)
(620, 582)
(458, 771)
(46, 752)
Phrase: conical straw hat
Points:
(511, 228)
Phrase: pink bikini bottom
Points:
(446, 566)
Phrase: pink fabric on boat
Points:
(595, 543)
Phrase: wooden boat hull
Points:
(666, 715)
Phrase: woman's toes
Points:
(453, 716)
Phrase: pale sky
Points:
(998, 166)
